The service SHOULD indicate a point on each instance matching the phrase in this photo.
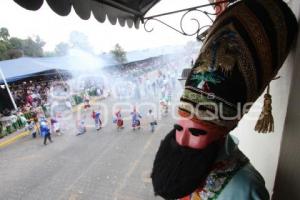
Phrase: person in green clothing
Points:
(242, 53)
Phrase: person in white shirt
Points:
(152, 120)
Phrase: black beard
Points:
(178, 171)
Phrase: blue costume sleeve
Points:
(247, 184)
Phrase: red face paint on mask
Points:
(197, 135)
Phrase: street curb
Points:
(13, 139)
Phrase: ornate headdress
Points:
(243, 51)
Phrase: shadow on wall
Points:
(287, 182)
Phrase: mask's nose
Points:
(183, 137)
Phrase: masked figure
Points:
(135, 119)
(118, 120)
(45, 130)
(242, 53)
(97, 118)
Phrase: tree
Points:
(50, 54)
(16, 43)
(4, 44)
(80, 40)
(33, 48)
(119, 53)
(62, 49)
(4, 34)
(3, 50)
(13, 47)
(39, 42)
(15, 50)
(14, 53)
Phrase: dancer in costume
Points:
(135, 119)
(164, 107)
(45, 131)
(97, 118)
(244, 49)
(152, 120)
(81, 128)
(55, 126)
(32, 128)
(118, 120)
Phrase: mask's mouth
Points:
(177, 170)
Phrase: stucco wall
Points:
(287, 185)
(263, 150)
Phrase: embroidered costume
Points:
(45, 130)
(135, 119)
(97, 117)
(227, 172)
(118, 120)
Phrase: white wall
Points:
(288, 174)
(263, 150)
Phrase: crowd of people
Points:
(29, 95)
(153, 78)
(118, 120)
(44, 127)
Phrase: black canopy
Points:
(123, 11)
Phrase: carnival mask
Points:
(197, 135)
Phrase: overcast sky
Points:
(53, 28)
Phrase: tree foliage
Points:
(14, 53)
(16, 43)
(119, 54)
(3, 50)
(33, 48)
(80, 40)
(61, 49)
(4, 34)
(13, 47)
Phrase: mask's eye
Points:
(178, 127)
(197, 132)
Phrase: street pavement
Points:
(105, 165)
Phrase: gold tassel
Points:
(265, 123)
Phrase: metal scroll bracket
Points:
(201, 30)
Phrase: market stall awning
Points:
(129, 12)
